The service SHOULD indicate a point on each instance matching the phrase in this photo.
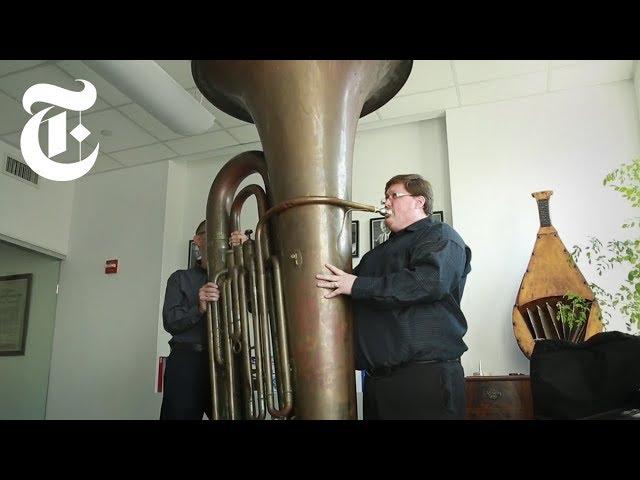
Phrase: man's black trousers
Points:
(416, 391)
(187, 391)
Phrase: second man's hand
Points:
(338, 281)
(237, 238)
(208, 293)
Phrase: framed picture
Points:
(15, 293)
(194, 254)
(378, 231)
(439, 215)
(355, 238)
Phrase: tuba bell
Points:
(277, 347)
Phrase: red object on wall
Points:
(160, 384)
(111, 266)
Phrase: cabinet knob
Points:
(492, 394)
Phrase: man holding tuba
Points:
(187, 388)
(406, 296)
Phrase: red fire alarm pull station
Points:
(111, 266)
(162, 362)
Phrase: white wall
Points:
(498, 155)
(39, 215)
(174, 246)
(104, 348)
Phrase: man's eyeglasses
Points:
(393, 196)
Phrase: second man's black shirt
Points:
(180, 314)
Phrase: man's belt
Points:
(187, 347)
(385, 371)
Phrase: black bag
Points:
(577, 380)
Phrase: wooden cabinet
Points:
(499, 398)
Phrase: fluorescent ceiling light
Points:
(151, 87)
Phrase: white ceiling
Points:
(130, 136)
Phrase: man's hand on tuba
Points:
(341, 282)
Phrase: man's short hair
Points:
(201, 228)
(417, 186)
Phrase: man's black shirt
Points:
(180, 314)
(406, 299)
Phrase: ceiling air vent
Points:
(20, 170)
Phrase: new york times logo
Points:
(29, 140)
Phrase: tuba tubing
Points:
(279, 298)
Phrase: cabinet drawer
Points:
(498, 398)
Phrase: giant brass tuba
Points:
(271, 317)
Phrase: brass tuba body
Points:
(306, 113)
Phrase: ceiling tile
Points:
(106, 91)
(592, 73)
(10, 66)
(201, 143)
(180, 70)
(17, 83)
(103, 164)
(74, 151)
(428, 75)
(147, 121)
(12, 116)
(419, 103)
(468, 71)
(227, 121)
(564, 63)
(234, 150)
(124, 132)
(222, 119)
(245, 133)
(504, 88)
(197, 156)
(138, 156)
(70, 155)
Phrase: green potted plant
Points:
(574, 310)
(616, 253)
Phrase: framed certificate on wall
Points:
(15, 293)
